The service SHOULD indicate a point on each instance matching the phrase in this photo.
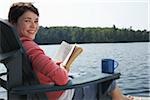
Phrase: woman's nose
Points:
(33, 24)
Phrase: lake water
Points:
(133, 59)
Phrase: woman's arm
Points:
(44, 64)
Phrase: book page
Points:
(77, 50)
(63, 51)
(69, 56)
(67, 53)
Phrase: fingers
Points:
(58, 62)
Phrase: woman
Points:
(24, 17)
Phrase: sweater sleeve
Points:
(44, 64)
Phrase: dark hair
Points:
(18, 9)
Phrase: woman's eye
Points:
(27, 20)
(36, 21)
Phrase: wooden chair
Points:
(21, 82)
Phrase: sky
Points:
(133, 14)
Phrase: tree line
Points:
(54, 35)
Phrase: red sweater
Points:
(45, 68)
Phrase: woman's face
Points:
(27, 25)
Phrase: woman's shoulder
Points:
(28, 43)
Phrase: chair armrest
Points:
(73, 83)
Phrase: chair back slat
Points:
(8, 40)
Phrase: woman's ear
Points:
(11, 22)
(14, 24)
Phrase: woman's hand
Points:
(61, 65)
(58, 62)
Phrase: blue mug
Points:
(109, 65)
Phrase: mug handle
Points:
(116, 64)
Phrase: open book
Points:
(67, 53)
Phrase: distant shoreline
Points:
(94, 42)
